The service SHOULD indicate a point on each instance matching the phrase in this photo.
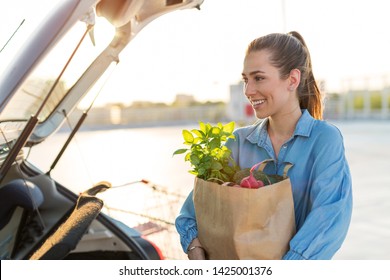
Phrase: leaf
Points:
(188, 137)
(207, 165)
(203, 127)
(201, 171)
(229, 128)
(215, 143)
(228, 170)
(208, 158)
(194, 159)
(208, 128)
(216, 165)
(198, 133)
(226, 152)
(224, 177)
(215, 174)
(180, 151)
(215, 130)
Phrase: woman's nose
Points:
(248, 89)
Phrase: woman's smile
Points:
(257, 103)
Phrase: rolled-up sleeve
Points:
(186, 223)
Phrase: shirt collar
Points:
(305, 124)
(303, 128)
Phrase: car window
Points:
(43, 79)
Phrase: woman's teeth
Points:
(257, 102)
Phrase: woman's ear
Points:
(294, 79)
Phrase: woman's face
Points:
(267, 92)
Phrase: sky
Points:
(200, 52)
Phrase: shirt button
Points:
(284, 146)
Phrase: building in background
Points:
(366, 101)
(238, 108)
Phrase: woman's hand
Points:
(196, 251)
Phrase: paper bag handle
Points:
(286, 168)
(262, 165)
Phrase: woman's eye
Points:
(258, 79)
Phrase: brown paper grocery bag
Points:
(240, 223)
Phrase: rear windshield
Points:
(44, 79)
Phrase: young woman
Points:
(279, 83)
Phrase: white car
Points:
(40, 218)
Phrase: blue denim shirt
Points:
(320, 179)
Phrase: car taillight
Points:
(158, 250)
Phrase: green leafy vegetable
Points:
(209, 158)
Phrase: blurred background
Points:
(186, 67)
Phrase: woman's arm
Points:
(195, 250)
(329, 202)
(186, 223)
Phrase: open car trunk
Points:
(54, 70)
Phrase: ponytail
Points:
(309, 94)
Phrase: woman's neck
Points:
(284, 123)
(281, 127)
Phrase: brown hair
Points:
(288, 52)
